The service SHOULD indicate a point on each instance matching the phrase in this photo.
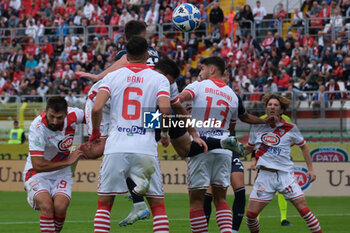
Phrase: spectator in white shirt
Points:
(15, 4)
(88, 9)
(42, 89)
(259, 13)
(152, 13)
(124, 18)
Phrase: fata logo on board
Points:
(270, 139)
(300, 176)
(329, 154)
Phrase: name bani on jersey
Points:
(134, 79)
(218, 92)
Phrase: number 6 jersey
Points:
(133, 89)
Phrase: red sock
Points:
(160, 219)
(198, 221)
(102, 222)
(59, 221)
(224, 217)
(252, 222)
(311, 220)
(46, 223)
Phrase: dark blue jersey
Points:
(241, 108)
(154, 56)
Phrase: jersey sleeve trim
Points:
(36, 153)
(301, 144)
(250, 144)
(105, 89)
(163, 93)
(174, 101)
(191, 93)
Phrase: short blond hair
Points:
(284, 102)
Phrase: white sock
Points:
(234, 231)
(140, 205)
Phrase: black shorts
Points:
(237, 165)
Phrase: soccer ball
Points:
(186, 17)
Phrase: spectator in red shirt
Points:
(30, 48)
(266, 45)
(225, 50)
(47, 48)
(283, 81)
(285, 59)
(309, 40)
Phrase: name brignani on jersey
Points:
(213, 99)
(52, 145)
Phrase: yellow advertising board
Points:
(333, 179)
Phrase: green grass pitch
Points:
(16, 215)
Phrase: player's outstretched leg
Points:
(282, 203)
(139, 211)
(229, 143)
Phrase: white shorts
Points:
(38, 184)
(208, 169)
(144, 170)
(268, 183)
(104, 126)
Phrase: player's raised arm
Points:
(96, 77)
(96, 113)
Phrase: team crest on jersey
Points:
(260, 190)
(300, 176)
(65, 143)
(270, 139)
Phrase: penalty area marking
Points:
(172, 219)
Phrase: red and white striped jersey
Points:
(213, 99)
(133, 89)
(52, 145)
(273, 144)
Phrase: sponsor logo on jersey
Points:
(270, 139)
(300, 176)
(329, 154)
(66, 143)
(151, 120)
(211, 133)
(132, 130)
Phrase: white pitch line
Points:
(172, 219)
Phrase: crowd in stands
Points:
(37, 62)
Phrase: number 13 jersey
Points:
(213, 100)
